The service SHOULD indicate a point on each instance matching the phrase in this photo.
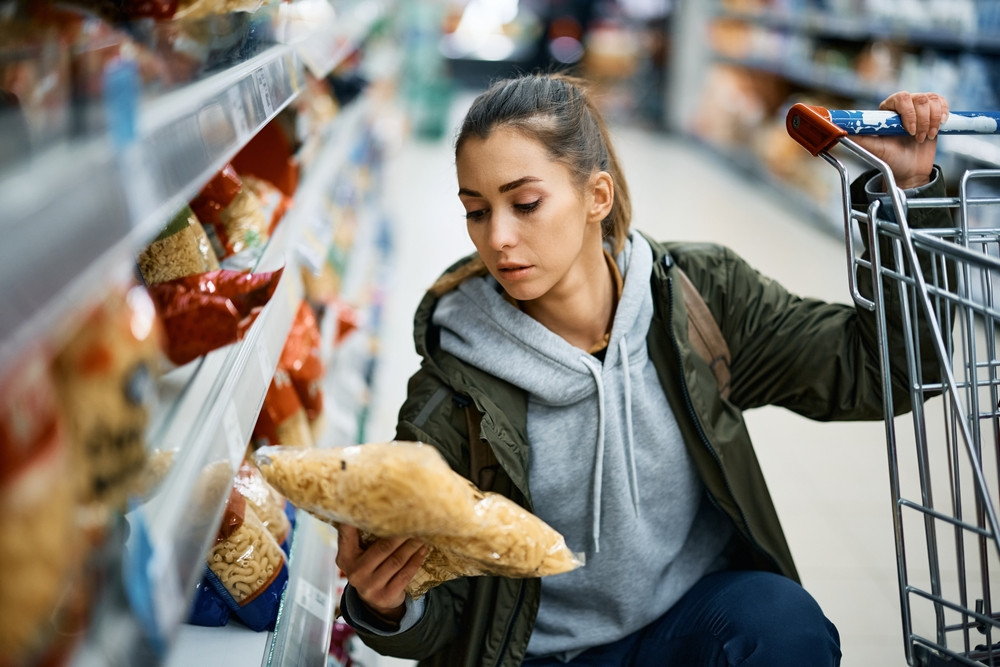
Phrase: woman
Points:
(562, 344)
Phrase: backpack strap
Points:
(483, 463)
(705, 335)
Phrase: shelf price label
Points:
(239, 113)
(264, 91)
(314, 600)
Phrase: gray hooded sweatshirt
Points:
(608, 468)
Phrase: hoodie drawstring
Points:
(597, 483)
(629, 436)
(598, 479)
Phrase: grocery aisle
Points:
(829, 481)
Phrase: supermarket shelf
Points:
(118, 199)
(302, 634)
(977, 149)
(340, 31)
(838, 82)
(210, 407)
(305, 622)
(862, 29)
(232, 644)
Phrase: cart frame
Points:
(943, 279)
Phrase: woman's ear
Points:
(602, 191)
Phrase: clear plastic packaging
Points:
(268, 504)
(407, 489)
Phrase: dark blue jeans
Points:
(728, 619)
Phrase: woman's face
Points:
(535, 228)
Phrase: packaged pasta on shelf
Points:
(282, 419)
(204, 312)
(300, 358)
(105, 376)
(208, 609)
(407, 489)
(181, 249)
(270, 506)
(270, 155)
(246, 565)
(41, 544)
(232, 214)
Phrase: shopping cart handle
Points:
(811, 127)
(819, 122)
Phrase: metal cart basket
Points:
(944, 456)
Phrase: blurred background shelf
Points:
(740, 64)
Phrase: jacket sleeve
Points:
(816, 358)
(429, 409)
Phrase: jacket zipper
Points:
(510, 624)
(701, 432)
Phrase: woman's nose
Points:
(503, 232)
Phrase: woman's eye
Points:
(475, 215)
(529, 207)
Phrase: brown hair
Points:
(557, 111)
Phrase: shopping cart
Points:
(939, 281)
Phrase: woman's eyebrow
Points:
(513, 185)
(506, 187)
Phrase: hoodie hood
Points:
(479, 326)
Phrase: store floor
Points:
(829, 481)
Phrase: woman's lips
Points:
(514, 271)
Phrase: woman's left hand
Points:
(910, 158)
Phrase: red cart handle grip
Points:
(811, 127)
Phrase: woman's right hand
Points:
(380, 571)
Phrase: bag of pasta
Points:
(407, 489)
(283, 419)
(204, 312)
(41, 544)
(270, 506)
(105, 376)
(232, 214)
(246, 566)
(181, 249)
(300, 358)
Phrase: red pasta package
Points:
(282, 419)
(301, 359)
(269, 156)
(207, 311)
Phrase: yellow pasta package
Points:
(408, 489)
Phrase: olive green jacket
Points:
(819, 359)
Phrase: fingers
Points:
(380, 572)
(348, 546)
(920, 113)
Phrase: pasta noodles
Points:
(407, 489)
(246, 560)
